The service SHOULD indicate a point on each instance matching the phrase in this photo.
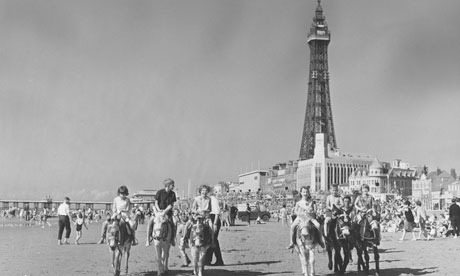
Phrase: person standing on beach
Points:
(283, 215)
(215, 218)
(64, 220)
(248, 213)
(454, 216)
(408, 221)
(182, 245)
(105, 226)
(420, 217)
(79, 222)
(45, 217)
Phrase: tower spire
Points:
(319, 18)
(318, 115)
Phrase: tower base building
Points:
(328, 167)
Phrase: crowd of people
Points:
(206, 205)
(396, 215)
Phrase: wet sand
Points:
(252, 251)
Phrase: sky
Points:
(98, 94)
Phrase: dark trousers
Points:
(64, 222)
(455, 221)
(215, 250)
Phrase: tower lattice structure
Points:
(318, 115)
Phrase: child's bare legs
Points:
(103, 233)
(134, 243)
(422, 230)
(404, 235)
(185, 258)
(78, 237)
(188, 227)
(131, 231)
(294, 225)
(326, 224)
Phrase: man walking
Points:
(64, 220)
(454, 216)
(420, 217)
(215, 218)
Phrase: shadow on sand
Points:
(215, 272)
(258, 263)
(234, 250)
(394, 271)
(409, 271)
(389, 250)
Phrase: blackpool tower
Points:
(318, 115)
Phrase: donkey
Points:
(339, 238)
(120, 243)
(160, 231)
(307, 237)
(200, 241)
(366, 237)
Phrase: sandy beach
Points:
(252, 251)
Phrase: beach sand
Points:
(252, 251)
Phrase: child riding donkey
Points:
(164, 204)
(367, 208)
(121, 212)
(305, 209)
(201, 207)
(332, 200)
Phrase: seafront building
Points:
(51, 204)
(385, 178)
(454, 188)
(328, 167)
(251, 181)
(282, 178)
(142, 198)
(435, 189)
(146, 195)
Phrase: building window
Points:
(255, 177)
(318, 176)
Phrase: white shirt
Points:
(421, 213)
(121, 205)
(63, 209)
(215, 208)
